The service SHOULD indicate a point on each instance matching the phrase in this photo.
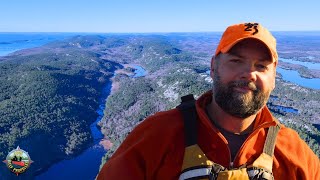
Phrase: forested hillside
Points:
(48, 99)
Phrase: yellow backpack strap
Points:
(195, 164)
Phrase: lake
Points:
(294, 77)
(309, 65)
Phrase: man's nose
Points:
(249, 73)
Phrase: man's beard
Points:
(235, 103)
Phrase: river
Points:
(86, 165)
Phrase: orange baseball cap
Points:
(235, 33)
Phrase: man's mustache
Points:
(243, 84)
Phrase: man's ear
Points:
(275, 74)
(275, 64)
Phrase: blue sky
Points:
(155, 15)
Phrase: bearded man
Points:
(228, 133)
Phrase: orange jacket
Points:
(155, 148)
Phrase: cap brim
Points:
(227, 48)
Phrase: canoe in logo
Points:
(18, 161)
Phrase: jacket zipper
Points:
(231, 163)
(225, 143)
(265, 125)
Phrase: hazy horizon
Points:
(151, 16)
(191, 32)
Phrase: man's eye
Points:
(260, 66)
(235, 60)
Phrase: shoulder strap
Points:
(265, 160)
(270, 142)
(189, 113)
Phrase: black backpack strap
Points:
(189, 113)
(270, 142)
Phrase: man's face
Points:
(243, 78)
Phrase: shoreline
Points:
(87, 149)
(303, 71)
(116, 85)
